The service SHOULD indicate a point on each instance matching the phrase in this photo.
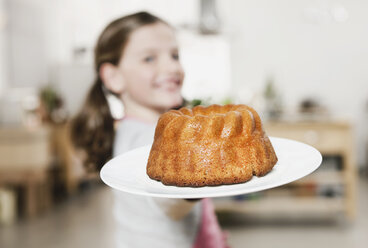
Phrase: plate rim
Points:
(234, 192)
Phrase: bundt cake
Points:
(210, 146)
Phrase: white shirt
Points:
(146, 221)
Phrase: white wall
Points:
(308, 48)
(76, 23)
(27, 39)
(3, 46)
(44, 33)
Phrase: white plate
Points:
(127, 172)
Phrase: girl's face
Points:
(150, 68)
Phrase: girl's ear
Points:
(112, 78)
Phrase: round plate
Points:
(127, 172)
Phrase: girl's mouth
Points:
(169, 84)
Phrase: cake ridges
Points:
(196, 151)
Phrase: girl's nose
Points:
(171, 66)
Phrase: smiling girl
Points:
(137, 60)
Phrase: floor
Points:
(85, 221)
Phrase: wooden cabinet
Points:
(25, 161)
(306, 196)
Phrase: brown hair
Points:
(92, 130)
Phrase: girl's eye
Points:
(175, 56)
(149, 59)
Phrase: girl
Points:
(137, 60)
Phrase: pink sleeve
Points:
(210, 234)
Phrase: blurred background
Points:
(301, 64)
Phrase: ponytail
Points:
(92, 130)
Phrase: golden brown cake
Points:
(210, 146)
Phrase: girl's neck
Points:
(142, 113)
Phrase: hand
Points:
(194, 199)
